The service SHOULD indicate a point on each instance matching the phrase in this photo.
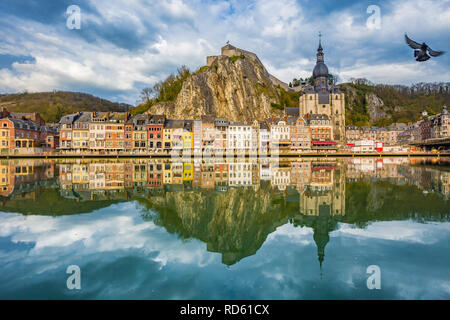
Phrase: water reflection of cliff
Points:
(233, 207)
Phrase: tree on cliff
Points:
(163, 91)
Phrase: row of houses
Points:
(388, 135)
(121, 132)
(433, 127)
(118, 131)
(428, 128)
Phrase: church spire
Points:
(320, 49)
(320, 42)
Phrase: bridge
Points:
(439, 144)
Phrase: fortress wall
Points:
(230, 52)
(277, 82)
(210, 60)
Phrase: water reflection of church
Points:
(322, 202)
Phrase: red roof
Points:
(324, 142)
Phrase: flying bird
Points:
(420, 50)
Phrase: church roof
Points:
(320, 70)
(292, 112)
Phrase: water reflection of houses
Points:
(379, 168)
(23, 179)
(102, 180)
(427, 178)
(401, 172)
(240, 174)
(281, 176)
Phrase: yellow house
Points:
(169, 127)
(188, 140)
(167, 173)
(80, 174)
(6, 178)
(167, 139)
(172, 135)
(140, 173)
(5, 138)
(80, 133)
(188, 171)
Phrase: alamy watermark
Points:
(74, 280)
(73, 17)
(374, 20)
(374, 281)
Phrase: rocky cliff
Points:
(237, 88)
(370, 104)
(362, 106)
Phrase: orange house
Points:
(18, 133)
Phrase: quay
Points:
(236, 155)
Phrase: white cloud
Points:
(408, 231)
(110, 229)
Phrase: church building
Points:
(325, 99)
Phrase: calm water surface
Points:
(150, 229)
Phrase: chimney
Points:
(4, 112)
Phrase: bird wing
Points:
(435, 53)
(412, 43)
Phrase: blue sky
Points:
(123, 46)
